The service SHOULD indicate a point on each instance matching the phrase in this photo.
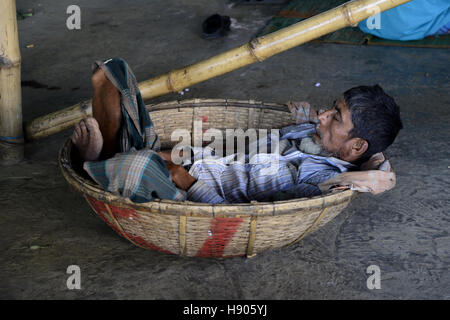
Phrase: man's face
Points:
(334, 128)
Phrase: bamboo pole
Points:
(11, 132)
(259, 49)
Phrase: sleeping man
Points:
(121, 150)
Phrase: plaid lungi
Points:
(137, 172)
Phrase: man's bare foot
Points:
(88, 139)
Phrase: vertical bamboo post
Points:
(11, 132)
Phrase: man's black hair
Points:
(375, 117)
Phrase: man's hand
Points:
(180, 176)
(167, 155)
(302, 111)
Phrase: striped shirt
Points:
(287, 174)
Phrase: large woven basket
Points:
(203, 230)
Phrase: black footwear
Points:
(215, 26)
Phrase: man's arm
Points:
(201, 192)
(180, 176)
(311, 173)
(316, 177)
(197, 190)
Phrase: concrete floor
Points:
(46, 226)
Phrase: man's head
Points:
(363, 121)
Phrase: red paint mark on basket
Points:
(100, 208)
(139, 240)
(97, 205)
(204, 119)
(123, 213)
(118, 212)
(220, 233)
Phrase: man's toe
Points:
(83, 128)
(91, 122)
(92, 125)
(77, 130)
(75, 136)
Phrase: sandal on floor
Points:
(215, 26)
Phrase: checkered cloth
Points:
(141, 176)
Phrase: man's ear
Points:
(359, 147)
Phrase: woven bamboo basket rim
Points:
(195, 209)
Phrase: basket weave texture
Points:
(204, 230)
